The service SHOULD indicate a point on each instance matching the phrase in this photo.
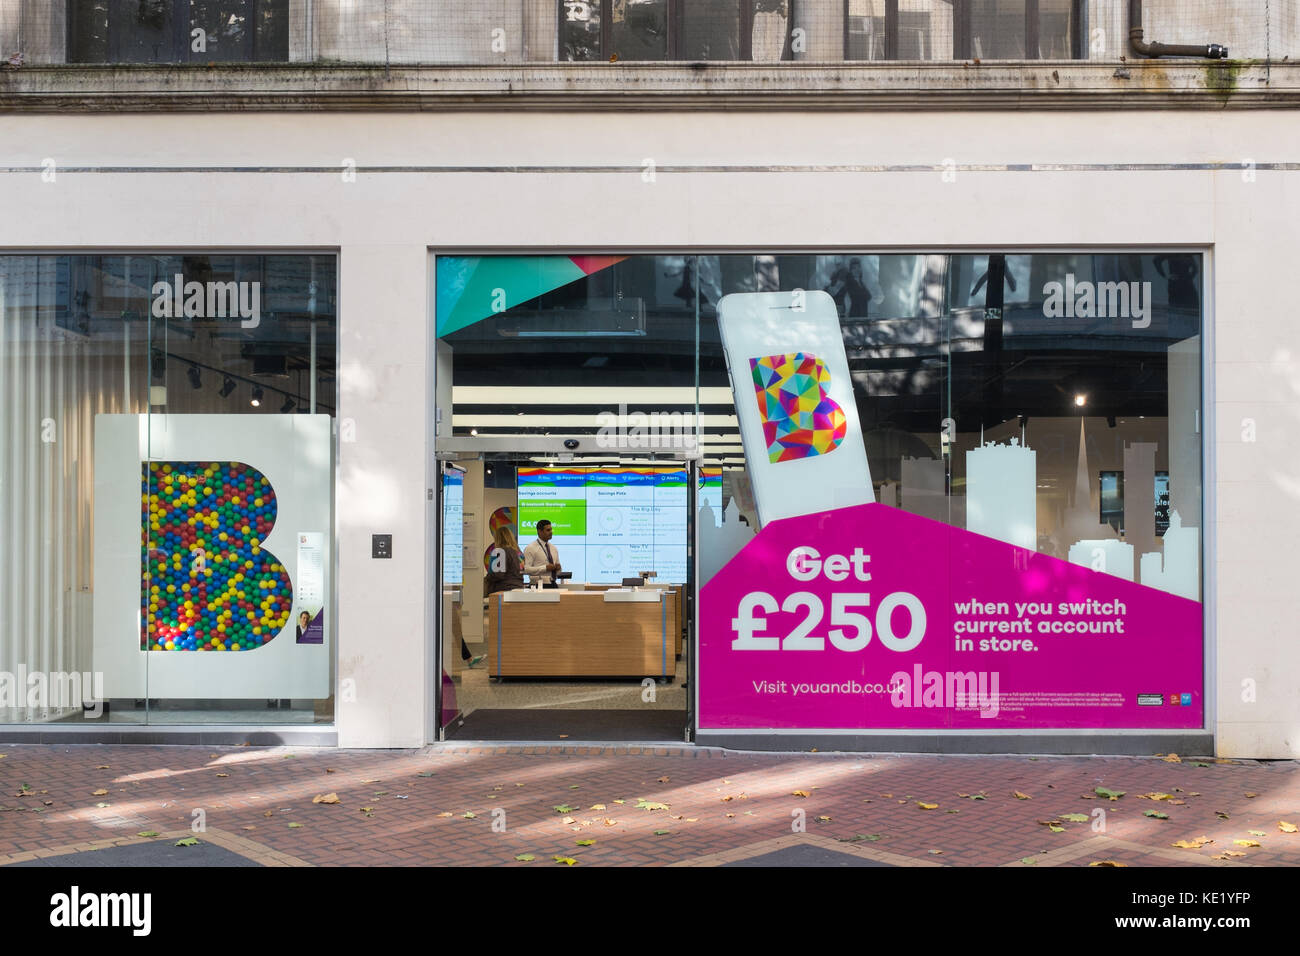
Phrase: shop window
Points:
(166, 487)
(639, 30)
(977, 477)
(178, 31)
(962, 29)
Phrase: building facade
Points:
(276, 277)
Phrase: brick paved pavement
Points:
(414, 807)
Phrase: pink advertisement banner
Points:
(873, 618)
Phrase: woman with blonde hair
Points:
(505, 564)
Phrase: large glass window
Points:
(166, 487)
(635, 30)
(178, 31)
(994, 457)
(961, 29)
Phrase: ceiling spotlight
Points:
(257, 396)
(195, 381)
(288, 406)
(1080, 400)
(227, 386)
(474, 432)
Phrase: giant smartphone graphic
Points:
(794, 400)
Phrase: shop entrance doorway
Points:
(565, 590)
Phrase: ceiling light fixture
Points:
(256, 400)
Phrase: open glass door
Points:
(450, 601)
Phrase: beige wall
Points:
(384, 223)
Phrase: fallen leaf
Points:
(1286, 827)
(1057, 829)
(859, 837)
(1223, 760)
(103, 805)
(329, 770)
(650, 805)
(1228, 853)
(585, 842)
(937, 852)
(98, 793)
(525, 858)
(952, 811)
(662, 832)
(427, 774)
(597, 806)
(567, 820)
(1022, 796)
(295, 826)
(446, 813)
(1112, 794)
(325, 798)
(927, 806)
(663, 779)
(610, 823)
(187, 841)
(470, 815)
(267, 813)
(1251, 796)
(1172, 758)
(1155, 796)
(563, 808)
(1106, 863)
(566, 860)
(1200, 765)
(800, 793)
(692, 819)
(1028, 860)
(1220, 814)
(731, 816)
(1156, 814)
(1193, 844)
(1256, 832)
(102, 766)
(1075, 817)
(223, 775)
(249, 827)
(823, 819)
(574, 786)
(620, 802)
(1246, 842)
(147, 833)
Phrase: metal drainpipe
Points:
(1212, 51)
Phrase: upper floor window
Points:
(675, 29)
(962, 29)
(178, 31)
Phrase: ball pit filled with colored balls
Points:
(208, 583)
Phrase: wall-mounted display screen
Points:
(453, 534)
(609, 523)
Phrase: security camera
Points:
(571, 443)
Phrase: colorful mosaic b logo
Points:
(209, 585)
(799, 418)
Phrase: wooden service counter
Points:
(570, 633)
